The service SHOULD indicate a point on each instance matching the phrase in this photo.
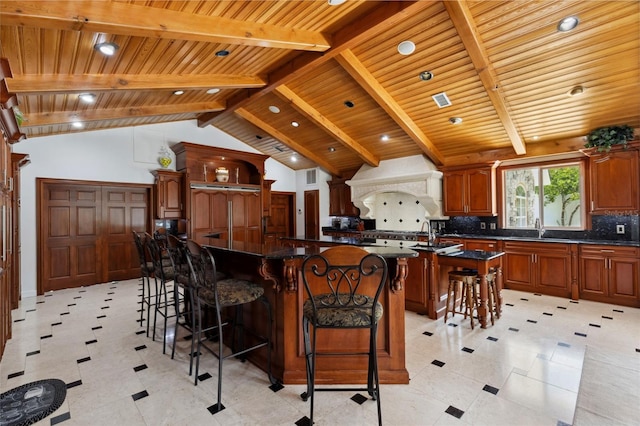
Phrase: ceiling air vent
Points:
(441, 100)
(311, 177)
(280, 148)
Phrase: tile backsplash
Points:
(398, 211)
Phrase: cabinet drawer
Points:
(530, 247)
(616, 251)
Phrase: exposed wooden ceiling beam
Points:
(537, 149)
(35, 84)
(348, 60)
(325, 124)
(63, 117)
(277, 134)
(381, 18)
(142, 21)
(465, 26)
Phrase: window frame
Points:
(582, 163)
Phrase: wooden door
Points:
(281, 222)
(124, 210)
(311, 214)
(70, 231)
(85, 232)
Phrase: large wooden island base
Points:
(277, 270)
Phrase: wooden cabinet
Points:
(168, 194)
(233, 207)
(470, 192)
(610, 274)
(340, 200)
(614, 183)
(416, 287)
(226, 214)
(545, 268)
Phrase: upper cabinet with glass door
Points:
(544, 197)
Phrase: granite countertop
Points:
(270, 251)
(473, 254)
(545, 240)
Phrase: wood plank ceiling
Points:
(335, 70)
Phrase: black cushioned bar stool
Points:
(462, 283)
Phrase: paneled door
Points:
(85, 232)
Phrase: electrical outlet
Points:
(483, 225)
(492, 226)
(619, 229)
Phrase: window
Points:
(551, 194)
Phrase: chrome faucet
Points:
(429, 231)
(540, 229)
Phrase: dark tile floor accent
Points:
(452, 324)
(140, 332)
(78, 297)
(467, 350)
(48, 336)
(61, 418)
(105, 307)
(561, 423)
(65, 313)
(493, 339)
(97, 327)
(90, 342)
(56, 323)
(276, 387)
(359, 398)
(141, 347)
(204, 377)
(514, 329)
(606, 317)
(140, 395)
(561, 307)
(31, 310)
(71, 304)
(594, 325)
(532, 321)
(101, 316)
(33, 353)
(580, 334)
(524, 299)
(74, 384)
(490, 389)
(620, 311)
(565, 345)
(19, 320)
(39, 302)
(85, 359)
(455, 412)
(508, 304)
(573, 301)
(428, 333)
(140, 367)
(438, 363)
(547, 314)
(16, 374)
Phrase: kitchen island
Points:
(276, 268)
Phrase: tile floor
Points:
(525, 370)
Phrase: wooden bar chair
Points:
(343, 285)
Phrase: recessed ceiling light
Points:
(349, 104)
(578, 90)
(87, 97)
(426, 75)
(295, 124)
(77, 124)
(107, 48)
(406, 47)
(536, 137)
(222, 53)
(335, 2)
(568, 23)
(213, 91)
(384, 138)
(332, 149)
(178, 92)
(455, 120)
(293, 157)
(274, 109)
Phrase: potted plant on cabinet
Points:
(603, 138)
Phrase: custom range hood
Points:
(414, 175)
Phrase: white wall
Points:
(117, 155)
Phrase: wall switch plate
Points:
(483, 225)
(492, 226)
(619, 229)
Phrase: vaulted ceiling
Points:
(336, 71)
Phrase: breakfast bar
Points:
(483, 262)
(276, 268)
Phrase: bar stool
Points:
(464, 282)
(492, 296)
